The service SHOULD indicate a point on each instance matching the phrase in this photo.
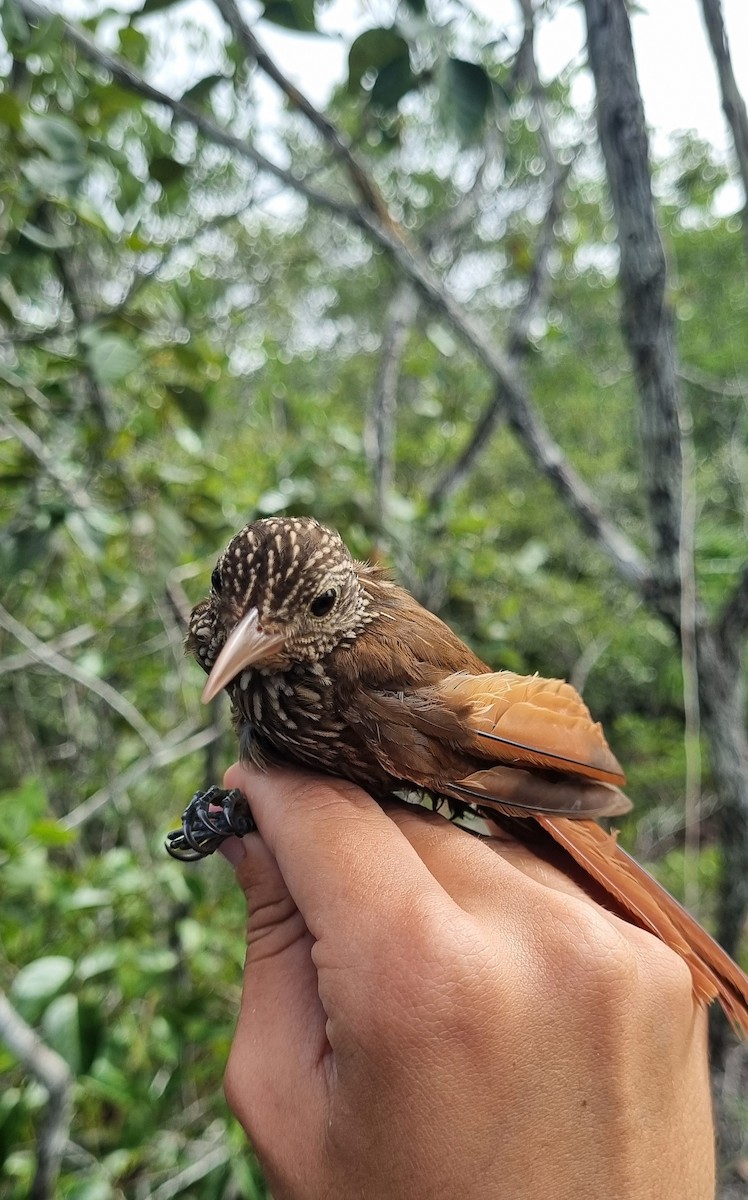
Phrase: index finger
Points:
(346, 864)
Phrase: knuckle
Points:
(590, 954)
(666, 978)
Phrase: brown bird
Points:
(328, 663)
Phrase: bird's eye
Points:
(321, 605)
(215, 580)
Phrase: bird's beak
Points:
(246, 646)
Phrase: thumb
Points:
(274, 1076)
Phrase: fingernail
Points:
(233, 851)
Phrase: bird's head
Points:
(284, 591)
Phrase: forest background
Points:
(450, 316)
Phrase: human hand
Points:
(426, 1013)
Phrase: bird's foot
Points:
(210, 818)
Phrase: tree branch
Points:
(54, 1075)
(380, 439)
(543, 450)
(130, 79)
(733, 104)
(364, 185)
(166, 753)
(48, 657)
(66, 641)
(78, 498)
(647, 317)
(732, 622)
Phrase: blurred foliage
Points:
(183, 347)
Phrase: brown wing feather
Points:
(465, 740)
(528, 721)
(527, 792)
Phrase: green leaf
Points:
(134, 45)
(392, 83)
(61, 1029)
(58, 137)
(155, 962)
(191, 403)
(97, 962)
(200, 91)
(59, 240)
(88, 897)
(153, 6)
(166, 170)
(372, 50)
(464, 96)
(291, 14)
(38, 982)
(50, 177)
(111, 358)
(10, 111)
(51, 833)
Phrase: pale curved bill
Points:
(245, 646)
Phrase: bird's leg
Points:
(210, 818)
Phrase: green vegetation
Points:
(185, 344)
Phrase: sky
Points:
(676, 73)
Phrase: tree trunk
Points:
(722, 697)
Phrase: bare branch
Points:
(54, 1074)
(66, 641)
(518, 342)
(380, 440)
(77, 497)
(710, 383)
(732, 623)
(733, 104)
(647, 316)
(363, 183)
(588, 659)
(46, 656)
(689, 628)
(543, 450)
(171, 750)
(130, 79)
(213, 1158)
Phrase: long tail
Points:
(715, 975)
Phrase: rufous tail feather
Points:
(715, 975)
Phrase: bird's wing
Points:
(524, 720)
(524, 743)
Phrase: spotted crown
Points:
(300, 577)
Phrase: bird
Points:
(331, 665)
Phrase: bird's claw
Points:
(210, 818)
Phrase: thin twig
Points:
(130, 79)
(54, 1074)
(46, 656)
(380, 440)
(364, 185)
(210, 1161)
(733, 104)
(76, 495)
(167, 753)
(689, 669)
(66, 641)
(527, 423)
(709, 383)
